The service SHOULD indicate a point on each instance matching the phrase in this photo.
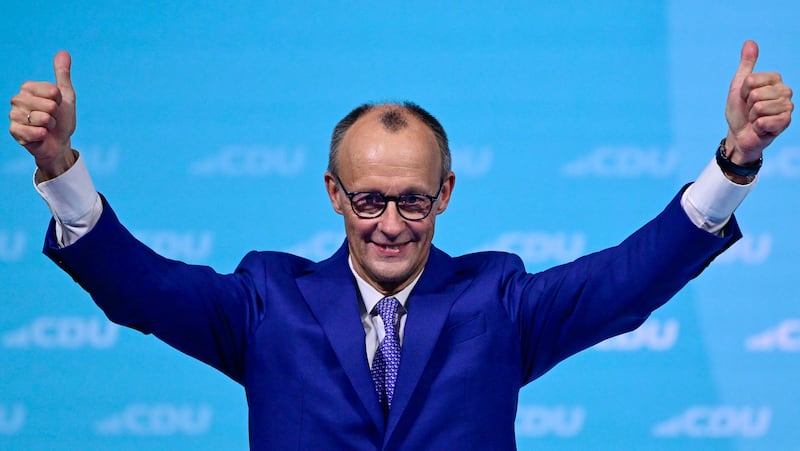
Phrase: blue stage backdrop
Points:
(572, 123)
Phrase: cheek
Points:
(357, 229)
(424, 231)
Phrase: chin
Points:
(393, 278)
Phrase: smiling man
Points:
(390, 343)
(389, 154)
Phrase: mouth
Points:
(390, 249)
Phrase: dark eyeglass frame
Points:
(386, 199)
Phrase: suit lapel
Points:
(428, 310)
(330, 292)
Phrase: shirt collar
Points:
(371, 296)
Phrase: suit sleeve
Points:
(190, 307)
(573, 306)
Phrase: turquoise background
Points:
(206, 124)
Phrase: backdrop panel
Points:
(571, 125)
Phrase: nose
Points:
(390, 222)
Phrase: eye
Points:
(413, 202)
(367, 202)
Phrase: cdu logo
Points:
(250, 161)
(319, 246)
(156, 420)
(12, 418)
(192, 246)
(624, 162)
(12, 245)
(750, 250)
(783, 337)
(540, 247)
(716, 422)
(52, 332)
(654, 335)
(472, 162)
(540, 421)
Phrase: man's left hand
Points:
(758, 109)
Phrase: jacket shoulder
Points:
(488, 260)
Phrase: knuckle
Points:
(38, 134)
(52, 91)
(755, 96)
(50, 107)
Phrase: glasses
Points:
(371, 204)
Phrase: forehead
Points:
(387, 147)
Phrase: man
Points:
(390, 343)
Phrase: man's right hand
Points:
(43, 120)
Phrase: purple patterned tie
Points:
(387, 358)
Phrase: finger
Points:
(26, 103)
(26, 134)
(38, 119)
(62, 64)
(771, 107)
(747, 62)
(42, 89)
(761, 80)
(35, 119)
(772, 125)
(769, 92)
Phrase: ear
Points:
(333, 190)
(447, 191)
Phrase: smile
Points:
(390, 248)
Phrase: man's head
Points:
(393, 150)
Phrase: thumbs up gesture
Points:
(43, 119)
(758, 109)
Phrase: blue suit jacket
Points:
(478, 328)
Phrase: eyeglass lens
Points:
(410, 206)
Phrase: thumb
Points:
(746, 63)
(61, 65)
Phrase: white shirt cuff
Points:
(73, 201)
(712, 198)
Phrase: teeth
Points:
(391, 248)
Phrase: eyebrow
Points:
(401, 193)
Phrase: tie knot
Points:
(387, 309)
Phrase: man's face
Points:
(388, 251)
